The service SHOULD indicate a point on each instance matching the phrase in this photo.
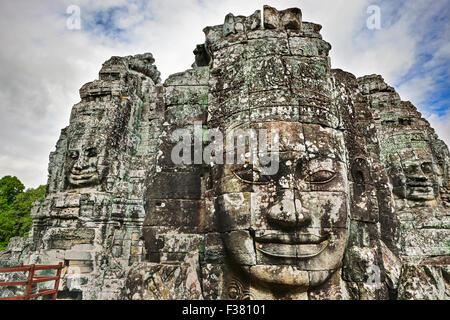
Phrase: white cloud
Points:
(44, 64)
(442, 126)
(417, 89)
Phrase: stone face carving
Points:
(92, 216)
(287, 229)
(357, 208)
(83, 165)
(413, 157)
(86, 157)
(294, 218)
(414, 176)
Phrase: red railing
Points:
(32, 279)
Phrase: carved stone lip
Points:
(420, 185)
(83, 179)
(83, 174)
(421, 189)
(292, 238)
(292, 246)
(86, 176)
(298, 251)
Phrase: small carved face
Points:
(415, 179)
(83, 164)
(294, 219)
(419, 180)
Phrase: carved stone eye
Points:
(427, 167)
(74, 154)
(245, 174)
(322, 176)
(410, 169)
(92, 152)
(249, 175)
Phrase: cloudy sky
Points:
(44, 60)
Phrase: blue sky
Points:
(431, 31)
(44, 64)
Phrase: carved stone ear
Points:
(291, 18)
(396, 177)
(271, 18)
(360, 171)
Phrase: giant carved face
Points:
(289, 228)
(413, 176)
(85, 163)
(84, 169)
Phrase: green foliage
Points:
(10, 187)
(15, 208)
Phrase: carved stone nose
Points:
(418, 178)
(287, 211)
(81, 163)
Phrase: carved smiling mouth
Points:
(422, 191)
(79, 177)
(420, 185)
(82, 176)
(299, 245)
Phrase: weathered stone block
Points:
(242, 244)
(77, 255)
(149, 281)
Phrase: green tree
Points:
(15, 208)
(6, 228)
(10, 187)
(21, 208)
